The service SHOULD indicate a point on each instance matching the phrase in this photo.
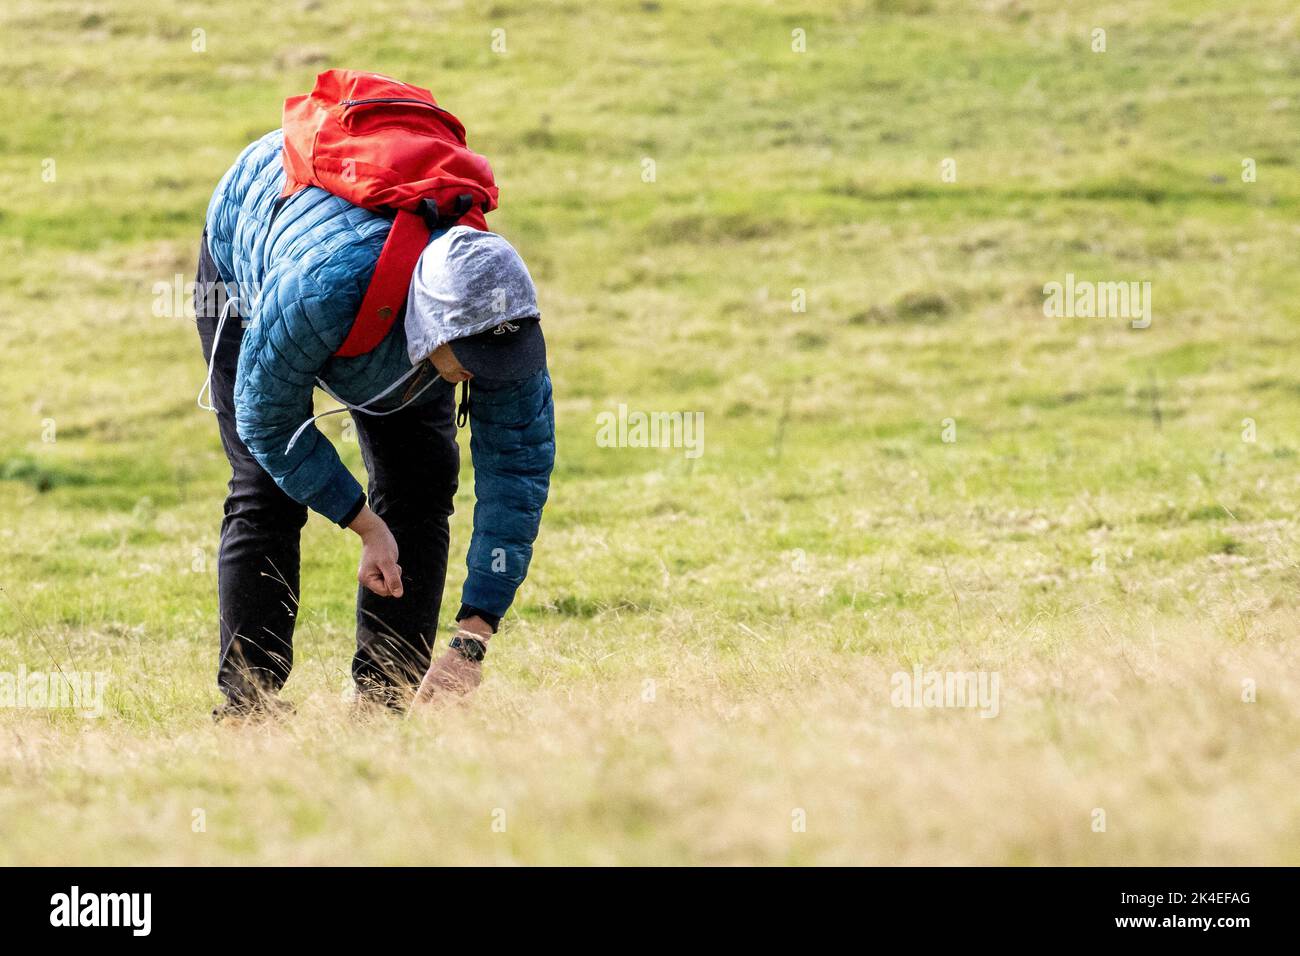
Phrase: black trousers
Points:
(412, 460)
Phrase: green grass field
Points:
(916, 469)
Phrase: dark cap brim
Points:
(503, 355)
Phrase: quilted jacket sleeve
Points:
(278, 364)
(513, 445)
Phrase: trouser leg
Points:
(257, 563)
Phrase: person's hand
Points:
(379, 570)
(453, 673)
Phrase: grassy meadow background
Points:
(702, 654)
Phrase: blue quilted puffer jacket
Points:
(301, 272)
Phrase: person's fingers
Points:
(427, 687)
(392, 575)
(372, 579)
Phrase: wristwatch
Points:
(471, 647)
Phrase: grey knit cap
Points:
(466, 281)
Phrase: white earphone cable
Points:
(212, 356)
